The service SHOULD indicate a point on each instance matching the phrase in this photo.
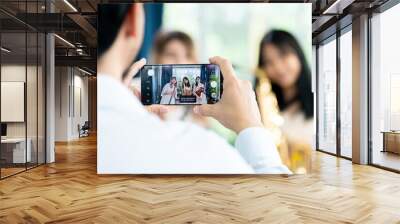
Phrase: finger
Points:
(226, 67)
(137, 92)
(133, 70)
(157, 109)
(208, 110)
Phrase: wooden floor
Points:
(70, 191)
(5, 172)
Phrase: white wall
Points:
(16, 73)
(62, 82)
(80, 110)
(71, 102)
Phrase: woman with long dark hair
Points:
(283, 62)
(186, 87)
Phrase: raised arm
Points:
(238, 110)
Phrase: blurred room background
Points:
(230, 30)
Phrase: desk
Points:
(13, 150)
(391, 141)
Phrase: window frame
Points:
(334, 37)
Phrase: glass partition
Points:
(14, 153)
(31, 99)
(22, 77)
(32, 85)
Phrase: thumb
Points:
(135, 67)
(208, 110)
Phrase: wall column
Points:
(360, 90)
(50, 99)
(50, 92)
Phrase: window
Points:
(327, 96)
(385, 89)
(346, 94)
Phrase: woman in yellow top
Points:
(283, 62)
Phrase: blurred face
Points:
(175, 52)
(173, 81)
(283, 68)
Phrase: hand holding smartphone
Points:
(189, 84)
(237, 109)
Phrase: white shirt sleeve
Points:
(257, 148)
(133, 141)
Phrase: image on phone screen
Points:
(181, 84)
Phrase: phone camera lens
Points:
(213, 84)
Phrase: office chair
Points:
(84, 130)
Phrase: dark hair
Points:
(110, 19)
(286, 42)
(183, 82)
(163, 39)
(195, 81)
(172, 78)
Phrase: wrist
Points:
(247, 124)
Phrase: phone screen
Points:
(181, 84)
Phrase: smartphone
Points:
(181, 84)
